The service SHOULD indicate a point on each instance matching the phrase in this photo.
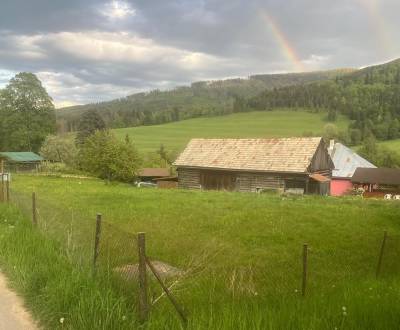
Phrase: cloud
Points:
(87, 51)
(115, 10)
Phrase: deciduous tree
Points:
(27, 114)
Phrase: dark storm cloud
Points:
(96, 49)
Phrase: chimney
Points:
(331, 144)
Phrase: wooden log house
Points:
(298, 165)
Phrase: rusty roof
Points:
(386, 176)
(268, 155)
(154, 172)
(320, 178)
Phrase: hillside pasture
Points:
(242, 252)
(258, 124)
(392, 145)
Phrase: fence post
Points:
(8, 187)
(304, 282)
(167, 292)
(96, 241)
(2, 197)
(378, 268)
(143, 298)
(34, 212)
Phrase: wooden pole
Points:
(97, 241)
(34, 212)
(167, 292)
(8, 187)
(304, 282)
(378, 268)
(143, 297)
(2, 199)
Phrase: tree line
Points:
(204, 98)
(369, 97)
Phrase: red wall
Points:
(340, 187)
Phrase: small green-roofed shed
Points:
(20, 161)
(21, 157)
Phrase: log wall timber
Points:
(252, 182)
(189, 178)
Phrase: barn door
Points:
(218, 180)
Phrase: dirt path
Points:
(13, 315)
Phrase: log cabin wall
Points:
(252, 182)
(189, 178)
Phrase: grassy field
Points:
(392, 145)
(281, 123)
(242, 252)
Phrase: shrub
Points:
(106, 157)
(58, 149)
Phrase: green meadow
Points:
(241, 256)
(392, 145)
(262, 124)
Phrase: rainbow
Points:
(379, 25)
(287, 49)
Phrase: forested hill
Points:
(205, 98)
(370, 97)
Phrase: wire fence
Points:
(103, 248)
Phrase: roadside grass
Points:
(257, 124)
(242, 253)
(52, 287)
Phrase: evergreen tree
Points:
(89, 123)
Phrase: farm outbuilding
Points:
(168, 182)
(346, 161)
(298, 165)
(377, 181)
(151, 173)
(20, 161)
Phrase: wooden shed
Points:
(377, 182)
(150, 174)
(298, 165)
(20, 161)
(168, 182)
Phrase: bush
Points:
(58, 149)
(106, 157)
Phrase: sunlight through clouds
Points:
(117, 10)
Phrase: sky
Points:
(88, 51)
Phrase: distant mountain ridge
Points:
(203, 98)
(370, 97)
(279, 80)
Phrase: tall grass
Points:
(53, 288)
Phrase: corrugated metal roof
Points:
(278, 155)
(154, 172)
(21, 157)
(346, 161)
(388, 176)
